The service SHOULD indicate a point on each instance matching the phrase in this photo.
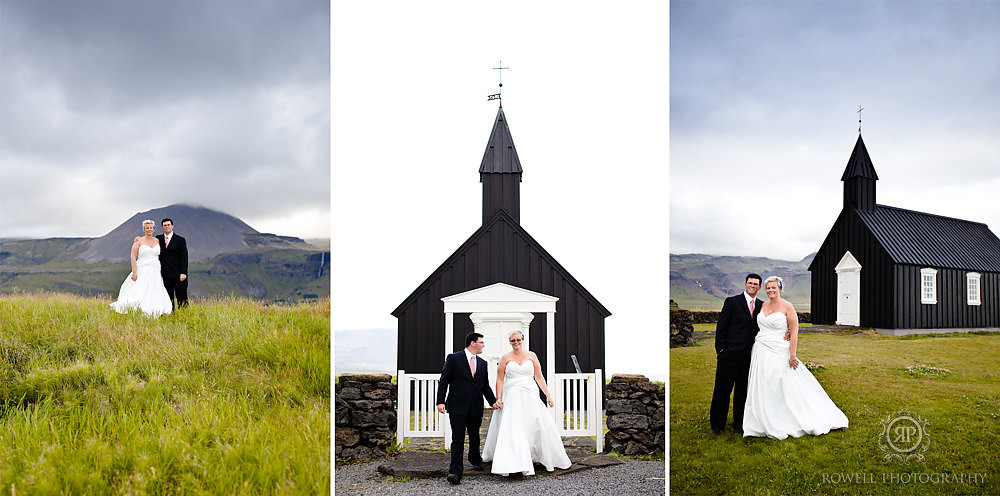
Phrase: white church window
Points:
(972, 288)
(928, 286)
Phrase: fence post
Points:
(402, 405)
(599, 410)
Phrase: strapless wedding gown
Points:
(523, 432)
(146, 292)
(782, 401)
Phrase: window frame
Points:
(971, 277)
(924, 299)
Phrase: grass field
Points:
(952, 382)
(224, 397)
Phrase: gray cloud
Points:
(766, 92)
(117, 107)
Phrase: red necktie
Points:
(472, 365)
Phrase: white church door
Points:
(848, 290)
(496, 329)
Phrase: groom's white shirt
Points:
(468, 357)
(749, 298)
(166, 239)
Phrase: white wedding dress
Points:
(782, 401)
(146, 292)
(523, 432)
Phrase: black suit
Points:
(734, 337)
(173, 263)
(464, 405)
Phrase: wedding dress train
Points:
(782, 401)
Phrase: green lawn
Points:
(871, 378)
(224, 397)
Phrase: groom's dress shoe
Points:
(477, 467)
(454, 479)
(716, 430)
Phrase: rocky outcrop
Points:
(365, 416)
(635, 409)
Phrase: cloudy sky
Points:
(763, 116)
(112, 108)
(585, 97)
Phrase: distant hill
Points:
(227, 257)
(208, 233)
(701, 282)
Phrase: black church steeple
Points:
(500, 173)
(859, 179)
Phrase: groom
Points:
(173, 263)
(734, 337)
(466, 373)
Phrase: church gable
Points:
(502, 251)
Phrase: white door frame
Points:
(848, 290)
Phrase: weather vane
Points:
(859, 118)
(496, 96)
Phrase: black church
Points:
(891, 268)
(501, 279)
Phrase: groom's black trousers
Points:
(732, 372)
(176, 288)
(460, 424)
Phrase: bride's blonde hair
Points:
(147, 221)
(775, 279)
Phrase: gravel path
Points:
(634, 477)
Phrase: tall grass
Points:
(223, 397)
(951, 382)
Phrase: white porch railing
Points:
(416, 408)
(579, 410)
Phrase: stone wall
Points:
(365, 415)
(713, 317)
(681, 328)
(635, 408)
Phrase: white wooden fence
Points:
(579, 410)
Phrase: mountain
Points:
(700, 282)
(227, 257)
(208, 234)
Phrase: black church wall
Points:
(952, 308)
(850, 234)
(500, 253)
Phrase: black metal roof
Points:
(931, 240)
(860, 164)
(500, 156)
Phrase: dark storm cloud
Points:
(112, 107)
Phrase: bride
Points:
(143, 288)
(522, 432)
(784, 399)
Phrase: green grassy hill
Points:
(224, 397)
(701, 282)
(263, 273)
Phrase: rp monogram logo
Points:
(904, 437)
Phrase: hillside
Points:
(226, 397)
(227, 258)
(208, 233)
(700, 282)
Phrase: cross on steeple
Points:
(859, 118)
(496, 96)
